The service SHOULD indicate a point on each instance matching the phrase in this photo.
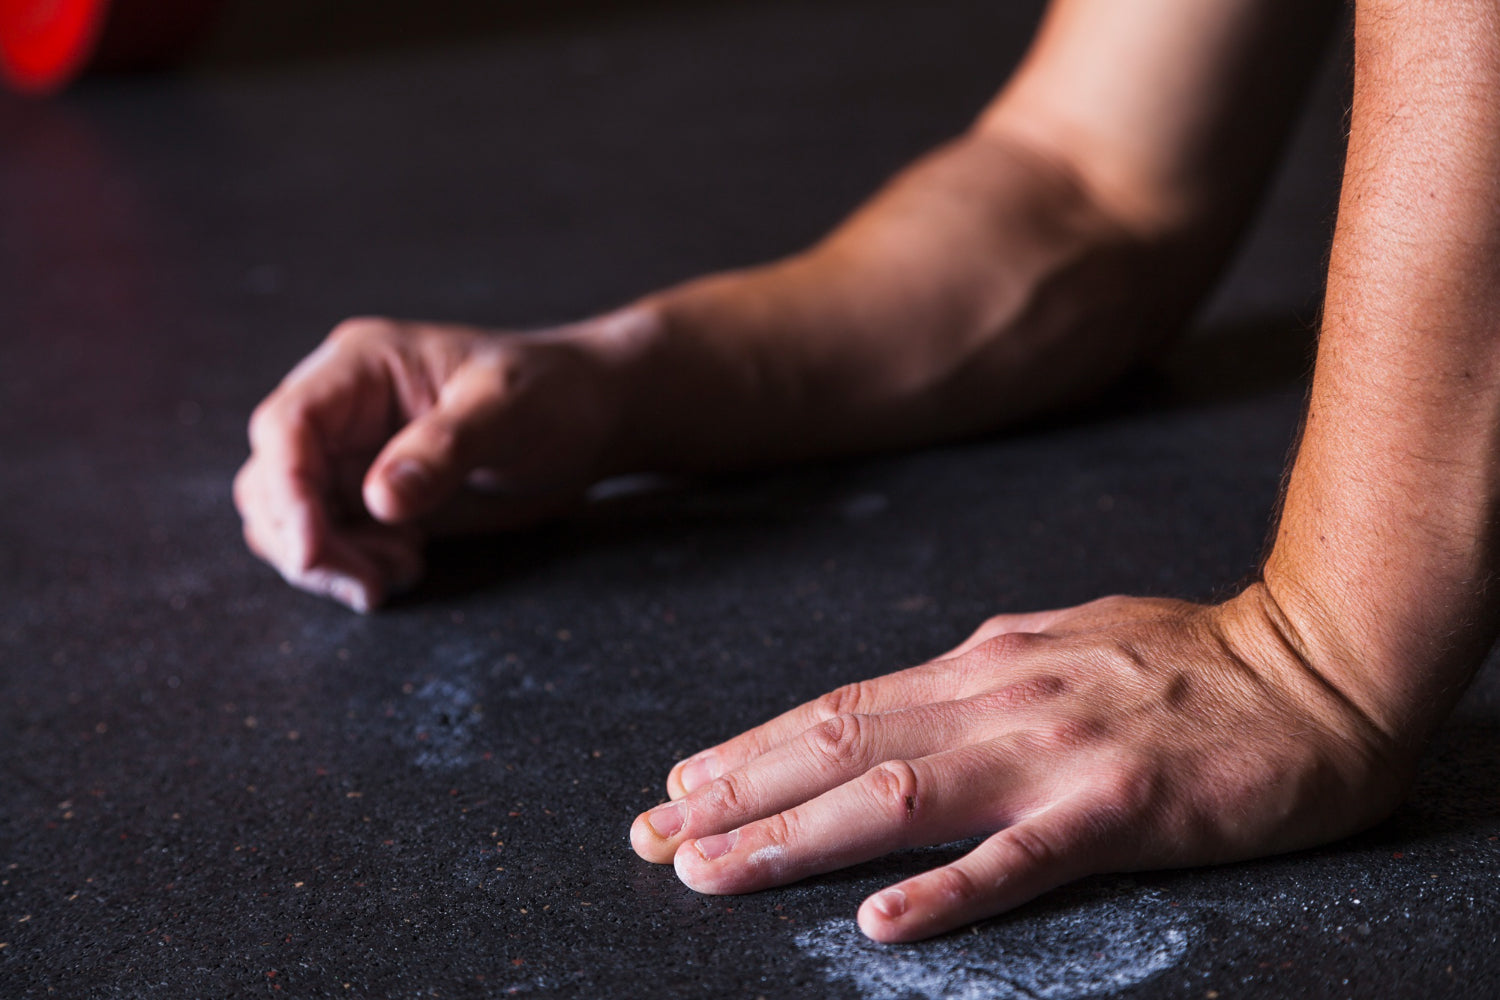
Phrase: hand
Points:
(1119, 735)
(389, 431)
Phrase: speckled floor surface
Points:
(213, 786)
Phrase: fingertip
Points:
(359, 598)
(356, 595)
(697, 771)
(884, 916)
(353, 593)
(640, 838)
(398, 490)
(712, 864)
(654, 833)
(675, 790)
(685, 862)
(691, 773)
(691, 868)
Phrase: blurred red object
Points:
(45, 44)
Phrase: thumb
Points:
(426, 462)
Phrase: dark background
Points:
(213, 786)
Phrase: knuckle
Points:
(780, 828)
(987, 629)
(992, 625)
(1031, 850)
(893, 789)
(954, 886)
(1007, 646)
(726, 794)
(1019, 694)
(839, 741)
(1059, 735)
(1109, 603)
(845, 700)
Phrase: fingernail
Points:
(666, 820)
(698, 771)
(715, 847)
(889, 903)
(408, 477)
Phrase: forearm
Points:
(1386, 549)
(1069, 232)
(981, 286)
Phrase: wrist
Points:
(1283, 653)
(1279, 625)
(623, 347)
(1402, 648)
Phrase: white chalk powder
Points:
(445, 718)
(1097, 947)
(769, 853)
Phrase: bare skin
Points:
(1014, 270)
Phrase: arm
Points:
(1386, 552)
(1069, 232)
(1131, 734)
(1017, 268)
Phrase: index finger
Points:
(903, 689)
(979, 665)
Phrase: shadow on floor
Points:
(1218, 367)
(1223, 364)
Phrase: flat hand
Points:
(389, 431)
(1119, 735)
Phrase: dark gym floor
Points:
(214, 786)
